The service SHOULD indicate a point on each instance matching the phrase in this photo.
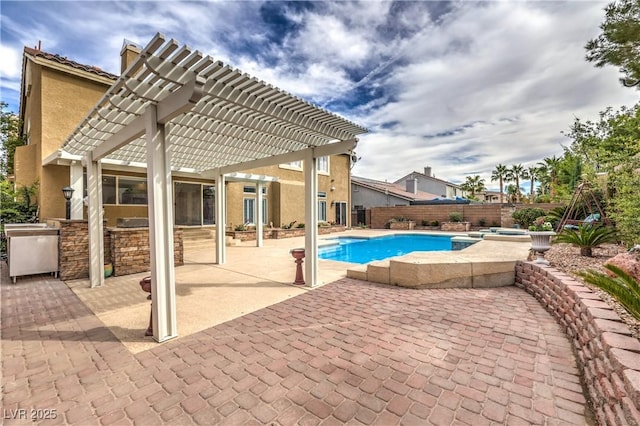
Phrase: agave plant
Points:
(623, 287)
(587, 237)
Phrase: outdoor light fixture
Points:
(67, 191)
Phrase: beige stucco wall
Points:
(52, 202)
(68, 100)
(55, 104)
(25, 163)
(286, 197)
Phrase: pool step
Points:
(487, 263)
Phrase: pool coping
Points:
(489, 262)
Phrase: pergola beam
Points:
(320, 151)
(178, 102)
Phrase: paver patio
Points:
(348, 352)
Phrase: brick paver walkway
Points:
(349, 352)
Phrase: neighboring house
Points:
(56, 95)
(490, 196)
(427, 182)
(367, 193)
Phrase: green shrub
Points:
(435, 223)
(482, 222)
(288, 226)
(623, 287)
(455, 217)
(424, 223)
(525, 217)
(400, 219)
(587, 237)
(300, 225)
(240, 228)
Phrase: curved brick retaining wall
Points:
(607, 353)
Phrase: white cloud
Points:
(459, 86)
(11, 62)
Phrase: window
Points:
(323, 164)
(294, 165)
(249, 210)
(264, 211)
(252, 189)
(108, 189)
(322, 206)
(132, 191)
(322, 210)
(118, 190)
(341, 212)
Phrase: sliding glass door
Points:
(194, 204)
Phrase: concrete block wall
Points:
(130, 250)
(490, 213)
(608, 355)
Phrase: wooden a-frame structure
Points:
(588, 207)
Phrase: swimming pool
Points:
(365, 250)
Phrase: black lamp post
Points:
(67, 191)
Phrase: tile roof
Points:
(393, 189)
(64, 61)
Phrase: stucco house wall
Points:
(369, 198)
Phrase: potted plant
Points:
(541, 232)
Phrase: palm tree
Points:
(553, 165)
(543, 179)
(513, 193)
(473, 184)
(500, 173)
(533, 175)
(514, 174)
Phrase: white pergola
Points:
(177, 110)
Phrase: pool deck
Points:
(267, 352)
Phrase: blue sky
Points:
(458, 86)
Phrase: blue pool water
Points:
(365, 250)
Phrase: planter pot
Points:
(108, 270)
(540, 243)
(455, 226)
(406, 225)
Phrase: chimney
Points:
(128, 54)
(427, 171)
(412, 185)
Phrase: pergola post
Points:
(160, 229)
(221, 236)
(311, 218)
(259, 214)
(75, 182)
(96, 236)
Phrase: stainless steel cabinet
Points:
(31, 249)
